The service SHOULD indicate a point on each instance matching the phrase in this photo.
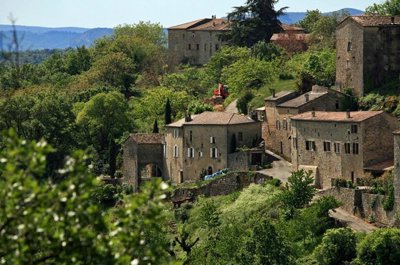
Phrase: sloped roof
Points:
(374, 20)
(355, 116)
(204, 24)
(286, 27)
(214, 118)
(279, 95)
(301, 100)
(214, 24)
(190, 24)
(147, 138)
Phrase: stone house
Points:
(280, 107)
(292, 39)
(195, 42)
(142, 158)
(203, 144)
(342, 145)
(368, 54)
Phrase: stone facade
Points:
(368, 54)
(195, 42)
(204, 142)
(342, 144)
(142, 158)
(280, 107)
(396, 170)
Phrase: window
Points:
(327, 146)
(197, 46)
(347, 148)
(354, 128)
(216, 47)
(200, 154)
(349, 46)
(348, 64)
(294, 142)
(310, 146)
(337, 148)
(190, 136)
(337, 104)
(284, 124)
(212, 140)
(189, 46)
(165, 150)
(355, 148)
(278, 125)
(190, 152)
(213, 152)
(240, 136)
(176, 133)
(176, 151)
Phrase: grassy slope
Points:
(262, 93)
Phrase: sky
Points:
(110, 13)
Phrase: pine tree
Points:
(168, 111)
(256, 21)
(155, 127)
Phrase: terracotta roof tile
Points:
(214, 24)
(355, 116)
(374, 20)
(147, 138)
(214, 118)
(287, 27)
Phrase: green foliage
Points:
(193, 81)
(250, 73)
(309, 21)
(381, 247)
(388, 203)
(209, 215)
(338, 247)
(243, 101)
(197, 107)
(168, 112)
(224, 57)
(105, 118)
(266, 51)
(300, 189)
(248, 30)
(387, 8)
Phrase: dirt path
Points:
(232, 107)
(351, 221)
(281, 169)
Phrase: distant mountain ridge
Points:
(294, 17)
(39, 38)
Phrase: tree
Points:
(256, 21)
(381, 247)
(243, 102)
(250, 73)
(387, 8)
(338, 246)
(167, 112)
(58, 222)
(309, 21)
(299, 190)
(155, 127)
(105, 118)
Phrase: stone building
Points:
(204, 144)
(195, 42)
(280, 107)
(142, 158)
(292, 39)
(368, 54)
(342, 145)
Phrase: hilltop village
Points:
(309, 129)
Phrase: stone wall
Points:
(361, 204)
(224, 185)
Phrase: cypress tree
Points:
(168, 112)
(155, 127)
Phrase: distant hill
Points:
(294, 17)
(39, 38)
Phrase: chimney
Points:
(272, 92)
(392, 19)
(307, 96)
(348, 114)
(213, 17)
(188, 117)
(313, 113)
